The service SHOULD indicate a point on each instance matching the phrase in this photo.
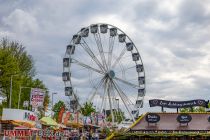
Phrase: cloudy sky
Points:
(173, 38)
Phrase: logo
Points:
(29, 116)
(152, 118)
(155, 102)
(184, 118)
(200, 102)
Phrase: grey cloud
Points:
(194, 12)
(187, 52)
(23, 21)
(145, 9)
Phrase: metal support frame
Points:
(110, 84)
(53, 93)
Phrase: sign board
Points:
(66, 117)
(18, 114)
(177, 104)
(184, 118)
(37, 97)
(152, 118)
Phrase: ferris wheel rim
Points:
(130, 40)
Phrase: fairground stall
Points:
(169, 126)
(17, 119)
(174, 125)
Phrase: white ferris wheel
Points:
(102, 65)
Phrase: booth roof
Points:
(168, 121)
(74, 124)
(27, 124)
(48, 121)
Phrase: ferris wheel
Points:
(102, 65)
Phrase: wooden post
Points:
(162, 109)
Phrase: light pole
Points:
(19, 95)
(54, 93)
(117, 100)
(10, 95)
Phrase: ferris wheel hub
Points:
(111, 74)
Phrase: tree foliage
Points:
(193, 109)
(57, 107)
(87, 109)
(118, 116)
(14, 60)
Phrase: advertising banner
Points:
(177, 104)
(66, 117)
(18, 114)
(60, 114)
(37, 97)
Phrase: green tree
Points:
(8, 66)
(87, 109)
(193, 109)
(17, 51)
(15, 60)
(57, 107)
(118, 116)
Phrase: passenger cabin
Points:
(68, 91)
(84, 32)
(113, 32)
(129, 46)
(66, 76)
(94, 28)
(121, 38)
(103, 28)
(76, 39)
(70, 49)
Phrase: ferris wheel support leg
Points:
(96, 89)
(109, 97)
(119, 92)
(102, 105)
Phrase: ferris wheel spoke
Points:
(120, 93)
(86, 66)
(115, 100)
(124, 95)
(119, 58)
(126, 82)
(91, 54)
(111, 44)
(125, 69)
(100, 49)
(103, 100)
(100, 83)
